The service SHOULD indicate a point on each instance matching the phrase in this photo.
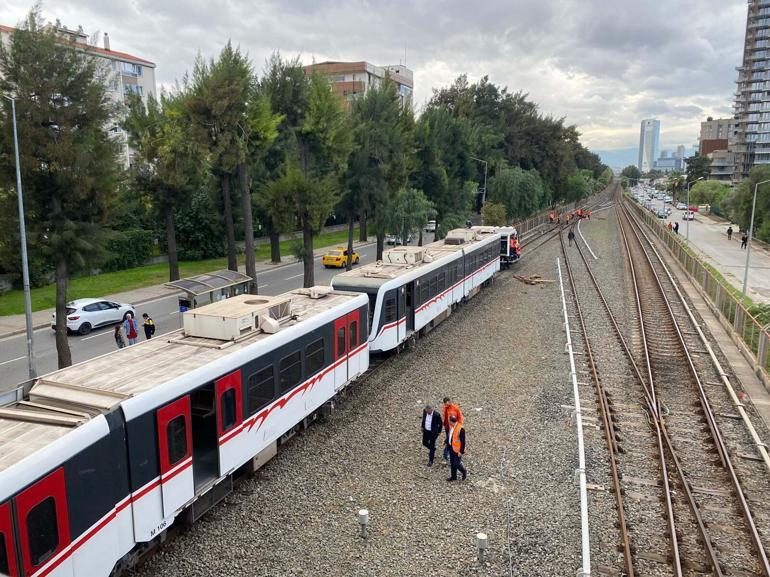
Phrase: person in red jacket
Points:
(449, 409)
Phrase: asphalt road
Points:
(13, 350)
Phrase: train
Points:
(98, 460)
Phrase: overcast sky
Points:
(603, 65)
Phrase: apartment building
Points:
(752, 96)
(351, 79)
(715, 134)
(126, 73)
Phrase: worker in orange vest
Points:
(550, 217)
(449, 410)
(456, 444)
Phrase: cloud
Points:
(603, 66)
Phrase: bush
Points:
(129, 249)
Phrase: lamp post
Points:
(751, 232)
(483, 194)
(23, 241)
(687, 239)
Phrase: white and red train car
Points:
(100, 458)
(414, 288)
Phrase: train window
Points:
(290, 371)
(261, 389)
(227, 409)
(434, 286)
(340, 341)
(176, 436)
(5, 565)
(353, 334)
(425, 289)
(390, 310)
(314, 357)
(441, 281)
(42, 531)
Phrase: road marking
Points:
(295, 276)
(173, 313)
(94, 336)
(264, 286)
(13, 360)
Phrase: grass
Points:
(108, 283)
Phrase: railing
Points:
(721, 296)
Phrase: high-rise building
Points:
(715, 134)
(752, 97)
(351, 79)
(649, 140)
(126, 74)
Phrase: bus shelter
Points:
(209, 288)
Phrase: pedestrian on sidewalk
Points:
(676, 228)
(431, 426)
(149, 326)
(132, 331)
(730, 233)
(670, 226)
(571, 237)
(119, 340)
(450, 409)
(744, 240)
(456, 445)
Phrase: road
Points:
(164, 311)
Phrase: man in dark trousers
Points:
(730, 233)
(571, 237)
(456, 444)
(744, 240)
(431, 426)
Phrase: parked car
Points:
(338, 258)
(83, 315)
(431, 226)
(396, 240)
(660, 213)
(669, 200)
(681, 206)
(688, 215)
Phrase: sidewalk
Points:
(708, 236)
(16, 324)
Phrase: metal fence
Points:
(721, 297)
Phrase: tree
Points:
(68, 160)
(410, 212)
(520, 191)
(675, 183)
(743, 199)
(631, 172)
(578, 187)
(493, 214)
(698, 167)
(170, 167)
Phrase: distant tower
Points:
(649, 139)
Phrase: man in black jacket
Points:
(431, 426)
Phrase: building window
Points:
(261, 389)
(290, 371)
(227, 409)
(42, 531)
(314, 357)
(130, 69)
(133, 89)
(176, 436)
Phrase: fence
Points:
(720, 296)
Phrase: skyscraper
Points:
(649, 139)
(752, 98)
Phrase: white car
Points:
(86, 314)
(431, 226)
(688, 215)
(681, 206)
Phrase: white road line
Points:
(264, 286)
(13, 360)
(173, 313)
(95, 336)
(295, 276)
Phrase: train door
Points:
(354, 339)
(43, 521)
(401, 313)
(410, 298)
(205, 437)
(340, 351)
(8, 564)
(229, 393)
(175, 443)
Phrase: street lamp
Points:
(23, 239)
(751, 232)
(483, 194)
(687, 239)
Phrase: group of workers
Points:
(581, 213)
(451, 423)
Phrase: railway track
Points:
(680, 498)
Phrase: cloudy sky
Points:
(603, 65)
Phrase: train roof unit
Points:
(144, 375)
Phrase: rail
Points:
(585, 571)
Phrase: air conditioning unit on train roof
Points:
(460, 236)
(403, 255)
(237, 317)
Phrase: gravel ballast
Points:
(501, 358)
